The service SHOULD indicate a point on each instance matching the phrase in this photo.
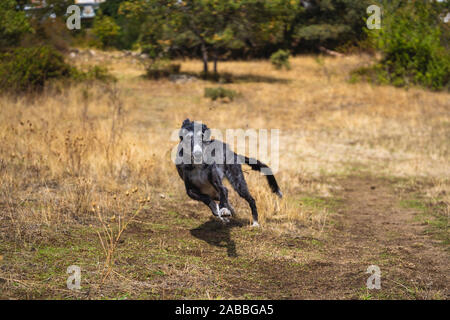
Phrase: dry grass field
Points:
(87, 179)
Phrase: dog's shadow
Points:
(218, 234)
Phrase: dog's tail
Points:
(257, 166)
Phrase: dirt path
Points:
(372, 229)
(176, 251)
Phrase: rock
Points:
(181, 78)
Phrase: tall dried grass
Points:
(67, 148)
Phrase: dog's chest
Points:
(199, 178)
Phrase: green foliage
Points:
(159, 69)
(220, 92)
(216, 29)
(13, 24)
(111, 8)
(29, 69)
(410, 40)
(329, 23)
(280, 59)
(106, 31)
(25, 69)
(93, 73)
(52, 32)
(130, 29)
(322, 32)
(170, 23)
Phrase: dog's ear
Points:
(206, 133)
(186, 123)
(182, 133)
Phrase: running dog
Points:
(203, 163)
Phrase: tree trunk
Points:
(205, 59)
(215, 61)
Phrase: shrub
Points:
(99, 73)
(161, 69)
(51, 32)
(30, 68)
(410, 40)
(219, 92)
(13, 24)
(106, 30)
(280, 59)
(93, 73)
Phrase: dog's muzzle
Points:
(197, 153)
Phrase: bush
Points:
(106, 31)
(13, 24)
(161, 69)
(25, 69)
(93, 73)
(219, 92)
(29, 69)
(280, 59)
(410, 40)
(51, 32)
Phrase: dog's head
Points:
(194, 133)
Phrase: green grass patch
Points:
(220, 93)
(413, 204)
(320, 203)
(433, 214)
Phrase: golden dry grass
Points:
(77, 146)
(108, 145)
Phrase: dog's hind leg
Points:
(236, 177)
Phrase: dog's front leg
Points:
(225, 207)
(216, 211)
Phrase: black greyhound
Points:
(202, 163)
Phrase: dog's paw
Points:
(255, 224)
(224, 212)
(224, 220)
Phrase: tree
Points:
(13, 24)
(209, 21)
(329, 23)
(50, 8)
(106, 30)
(410, 40)
(130, 29)
(247, 27)
(211, 24)
(57, 7)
